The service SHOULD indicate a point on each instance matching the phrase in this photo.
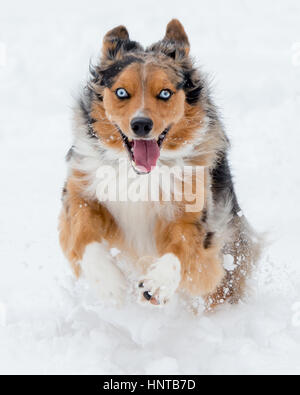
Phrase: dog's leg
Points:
(87, 230)
(243, 250)
(101, 272)
(190, 259)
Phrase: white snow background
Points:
(48, 323)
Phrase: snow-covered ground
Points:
(50, 324)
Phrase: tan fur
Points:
(108, 133)
(83, 222)
(202, 270)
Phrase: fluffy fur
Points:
(185, 250)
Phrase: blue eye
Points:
(165, 94)
(122, 93)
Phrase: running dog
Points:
(151, 109)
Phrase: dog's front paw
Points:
(161, 280)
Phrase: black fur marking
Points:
(222, 184)
(172, 54)
(204, 216)
(208, 240)
(131, 46)
(188, 82)
(192, 90)
(99, 97)
(193, 96)
(108, 75)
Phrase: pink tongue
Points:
(146, 153)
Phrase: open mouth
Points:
(144, 154)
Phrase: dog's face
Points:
(143, 97)
(144, 101)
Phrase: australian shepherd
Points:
(145, 113)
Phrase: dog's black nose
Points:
(141, 126)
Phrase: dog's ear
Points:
(176, 40)
(113, 41)
(116, 42)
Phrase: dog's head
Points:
(146, 101)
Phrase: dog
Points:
(152, 109)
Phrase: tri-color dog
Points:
(152, 109)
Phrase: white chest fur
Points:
(133, 201)
(137, 221)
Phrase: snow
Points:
(51, 324)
